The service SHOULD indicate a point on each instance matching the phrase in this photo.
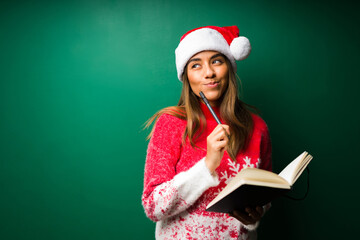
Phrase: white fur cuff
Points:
(195, 181)
(252, 227)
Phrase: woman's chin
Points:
(213, 99)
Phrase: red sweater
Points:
(178, 185)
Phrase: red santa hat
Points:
(225, 40)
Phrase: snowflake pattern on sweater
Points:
(178, 186)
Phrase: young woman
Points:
(191, 158)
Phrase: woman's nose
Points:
(209, 72)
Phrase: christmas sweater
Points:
(178, 185)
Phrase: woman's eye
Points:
(195, 65)
(219, 61)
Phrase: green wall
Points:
(79, 78)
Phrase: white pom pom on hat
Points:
(225, 40)
(240, 48)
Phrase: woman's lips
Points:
(212, 84)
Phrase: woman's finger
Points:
(222, 128)
(221, 137)
(260, 210)
(217, 142)
(253, 213)
(220, 146)
(242, 217)
(239, 217)
(226, 128)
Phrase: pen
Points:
(209, 107)
(211, 110)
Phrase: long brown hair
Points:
(233, 111)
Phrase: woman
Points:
(190, 158)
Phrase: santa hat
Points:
(225, 40)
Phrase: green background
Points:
(79, 78)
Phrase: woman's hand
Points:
(216, 145)
(251, 216)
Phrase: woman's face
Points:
(208, 72)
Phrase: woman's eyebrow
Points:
(214, 56)
(217, 55)
(194, 60)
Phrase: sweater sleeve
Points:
(167, 193)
